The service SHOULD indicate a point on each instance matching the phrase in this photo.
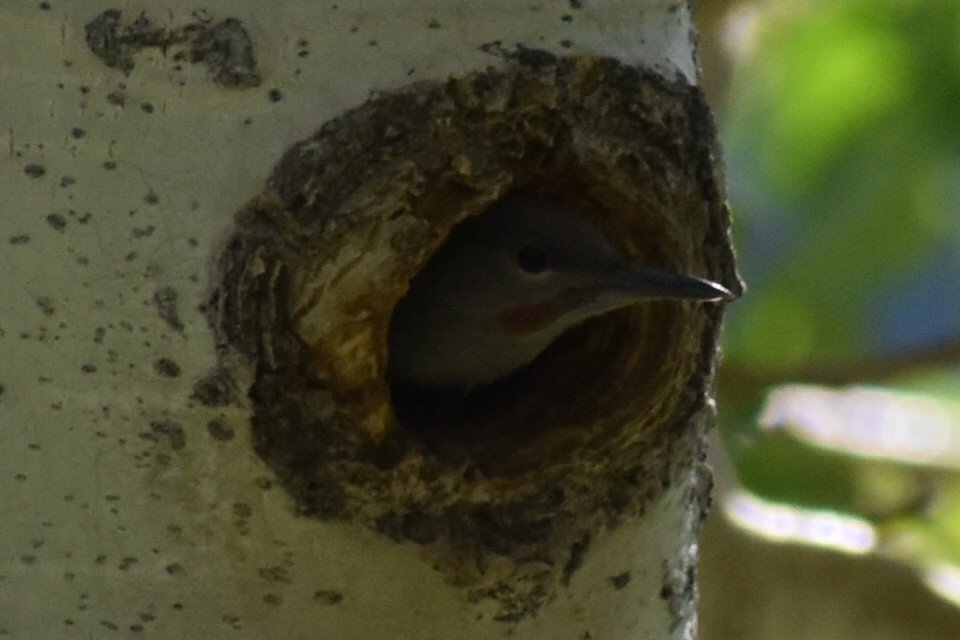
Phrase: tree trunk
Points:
(208, 218)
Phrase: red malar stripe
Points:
(528, 318)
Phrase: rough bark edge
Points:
(331, 436)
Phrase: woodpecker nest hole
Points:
(533, 466)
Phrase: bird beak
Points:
(629, 282)
(635, 281)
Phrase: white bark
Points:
(103, 527)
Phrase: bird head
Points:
(508, 282)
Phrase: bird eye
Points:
(533, 260)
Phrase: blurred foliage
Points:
(841, 133)
(842, 141)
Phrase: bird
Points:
(508, 282)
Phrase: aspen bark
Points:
(207, 218)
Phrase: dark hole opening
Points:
(584, 372)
